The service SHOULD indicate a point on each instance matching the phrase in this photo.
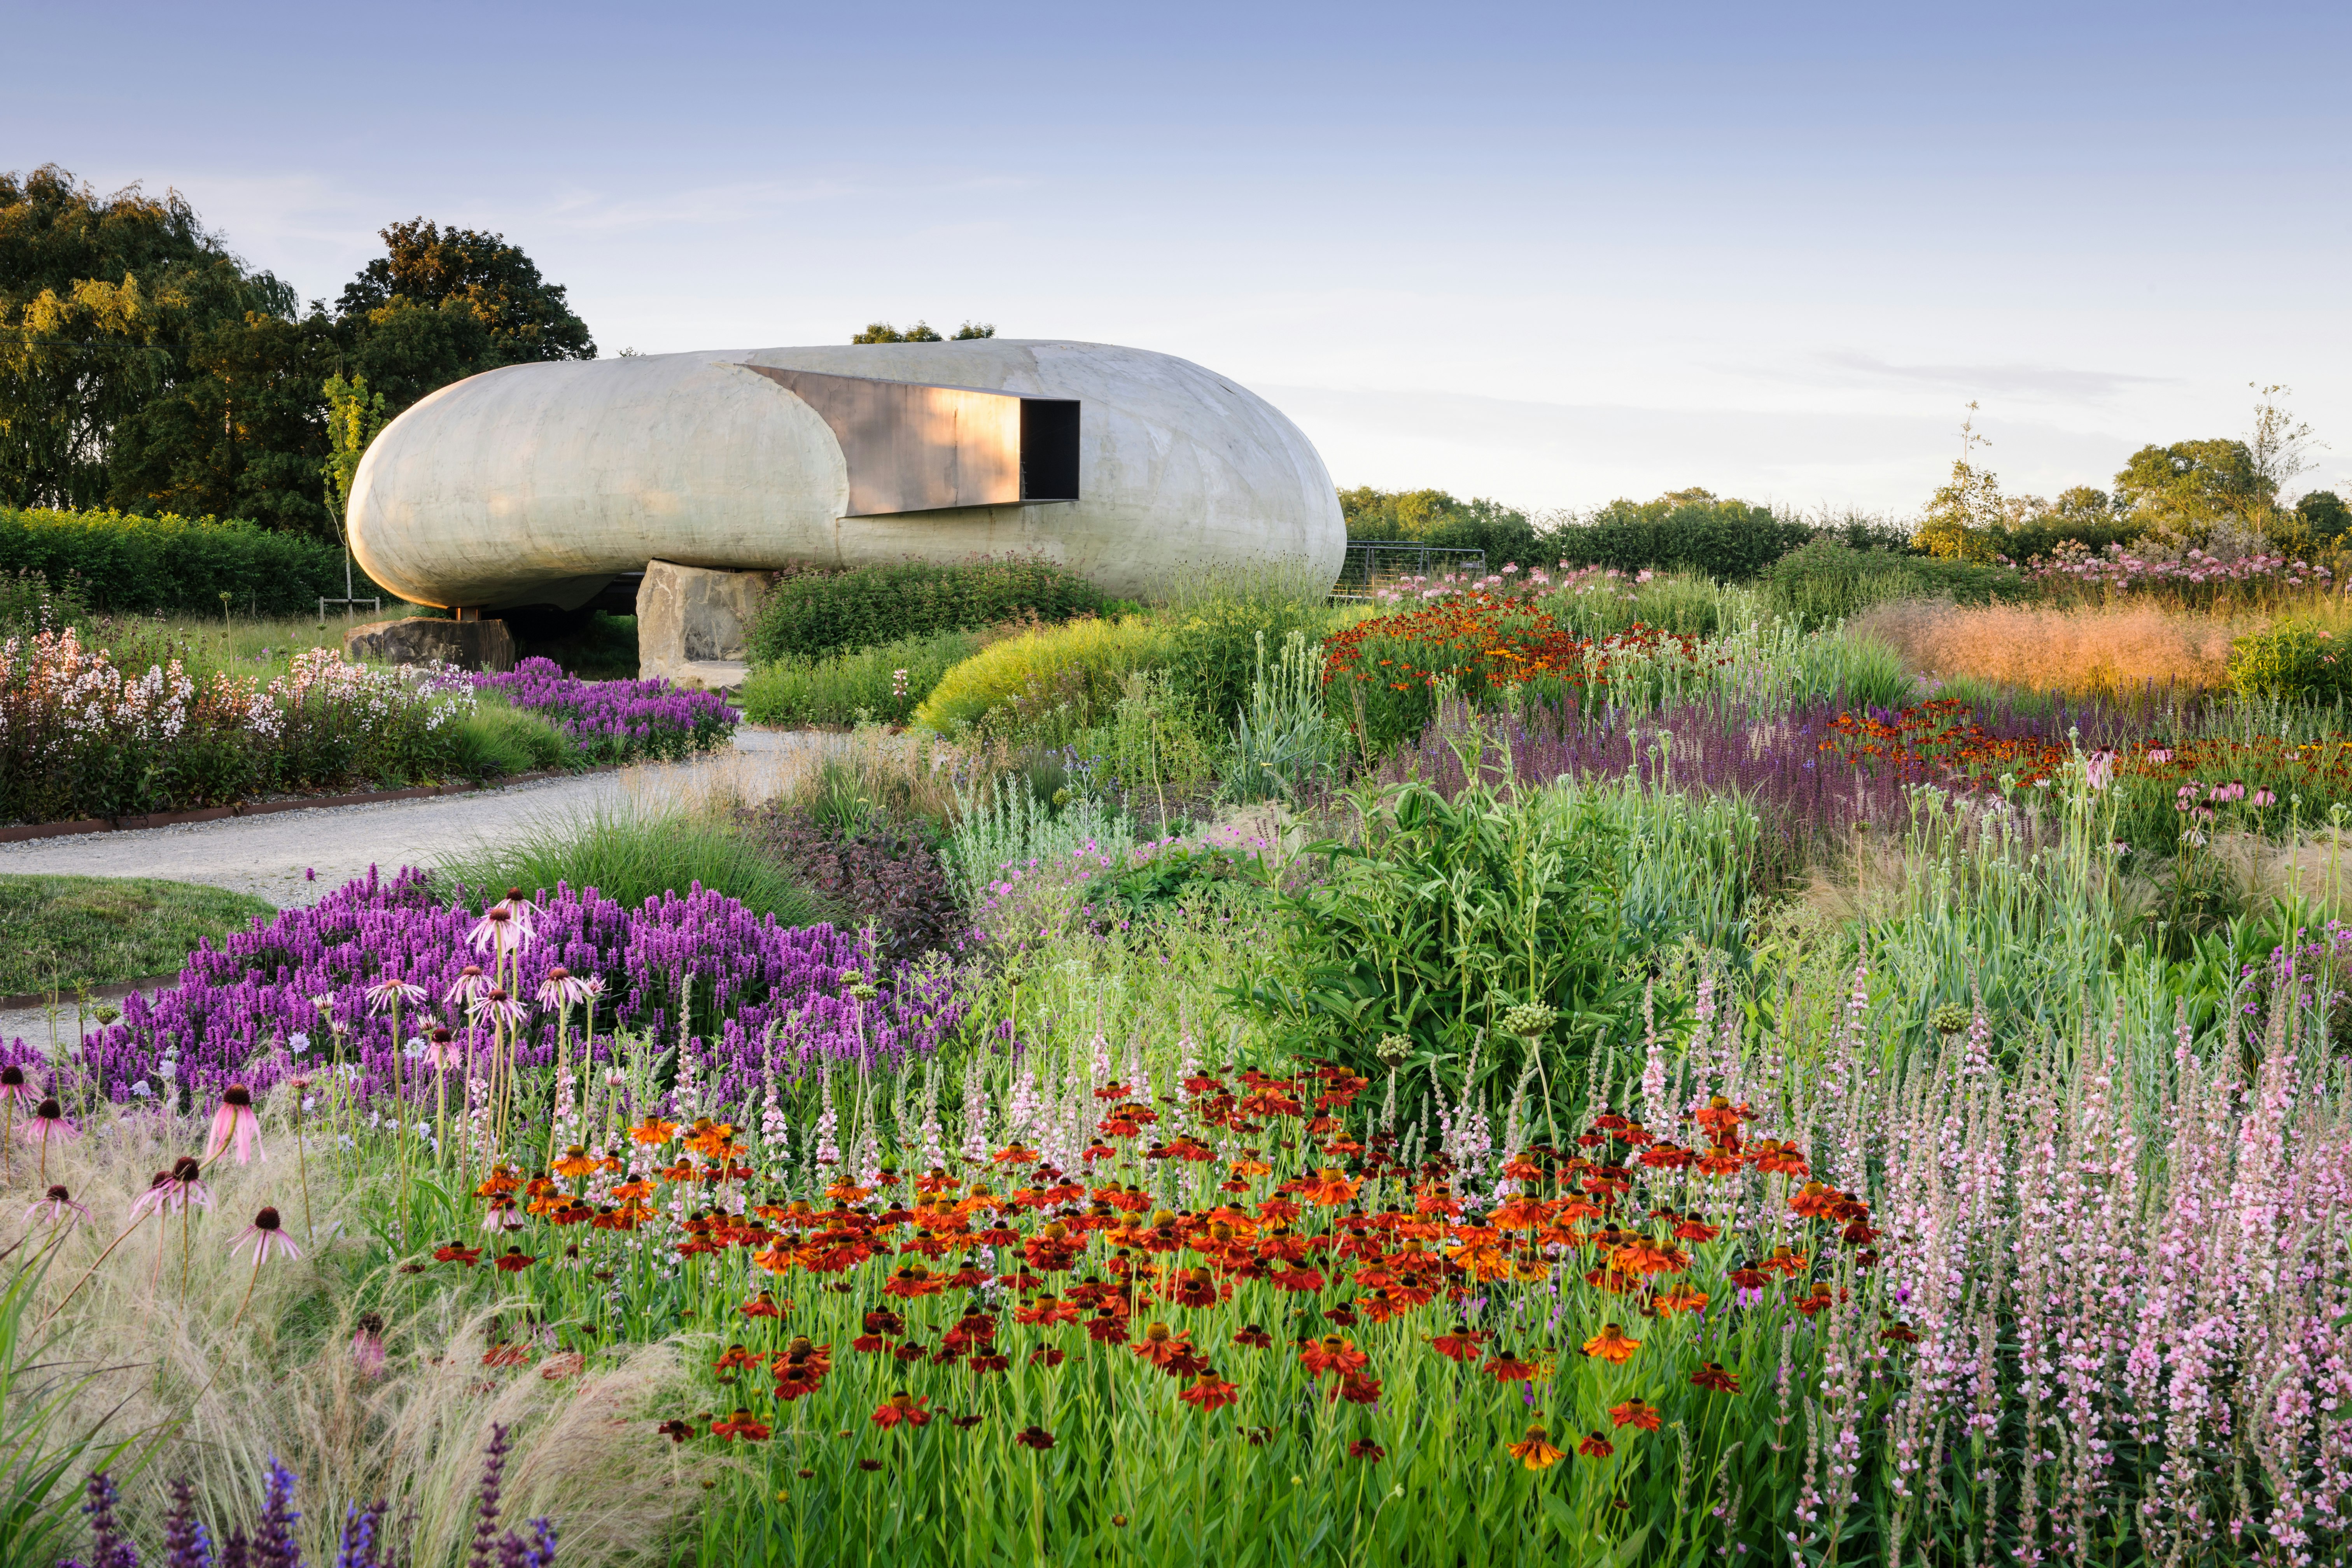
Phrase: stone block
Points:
(468, 645)
(691, 616)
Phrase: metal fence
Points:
(1374, 563)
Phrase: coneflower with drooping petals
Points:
(47, 1124)
(236, 1124)
(385, 992)
(180, 1187)
(266, 1235)
(56, 1205)
(14, 1092)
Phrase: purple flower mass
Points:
(616, 719)
(758, 991)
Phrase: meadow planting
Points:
(1574, 1066)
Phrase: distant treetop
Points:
(920, 332)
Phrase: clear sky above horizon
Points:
(1549, 254)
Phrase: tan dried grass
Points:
(227, 1394)
(2092, 651)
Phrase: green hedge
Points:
(114, 561)
(811, 616)
(1820, 582)
(1727, 539)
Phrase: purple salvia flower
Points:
(186, 1543)
(486, 1517)
(273, 1541)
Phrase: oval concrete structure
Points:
(537, 483)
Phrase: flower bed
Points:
(308, 988)
(83, 735)
(616, 720)
(1383, 675)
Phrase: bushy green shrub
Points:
(2291, 660)
(116, 563)
(1688, 532)
(1820, 583)
(1213, 648)
(835, 689)
(497, 742)
(1047, 684)
(814, 616)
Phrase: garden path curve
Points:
(295, 858)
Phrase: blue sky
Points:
(1550, 254)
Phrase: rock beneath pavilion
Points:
(693, 623)
(468, 645)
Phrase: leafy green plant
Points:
(1284, 737)
(1440, 918)
(1044, 685)
(1690, 531)
(812, 616)
(1820, 582)
(2291, 660)
(886, 682)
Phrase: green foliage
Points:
(1680, 602)
(920, 332)
(1443, 918)
(143, 368)
(424, 266)
(355, 416)
(2290, 661)
(632, 856)
(1437, 518)
(1284, 737)
(837, 690)
(2325, 513)
(1686, 530)
(57, 932)
(812, 616)
(1820, 582)
(1045, 686)
(41, 1452)
(1158, 886)
(2183, 489)
(112, 562)
(1212, 652)
(498, 741)
(1152, 742)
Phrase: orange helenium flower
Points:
(1535, 1452)
(1612, 1345)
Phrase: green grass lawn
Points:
(64, 932)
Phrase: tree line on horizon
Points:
(147, 369)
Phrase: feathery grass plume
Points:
(2096, 652)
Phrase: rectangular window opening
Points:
(1049, 448)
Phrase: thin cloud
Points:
(2022, 380)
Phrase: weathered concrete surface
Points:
(468, 645)
(689, 616)
(516, 485)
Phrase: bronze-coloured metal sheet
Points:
(912, 447)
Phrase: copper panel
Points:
(911, 446)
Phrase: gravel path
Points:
(295, 858)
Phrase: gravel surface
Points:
(294, 858)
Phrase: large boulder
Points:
(693, 622)
(468, 645)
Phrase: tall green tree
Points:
(145, 367)
(443, 304)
